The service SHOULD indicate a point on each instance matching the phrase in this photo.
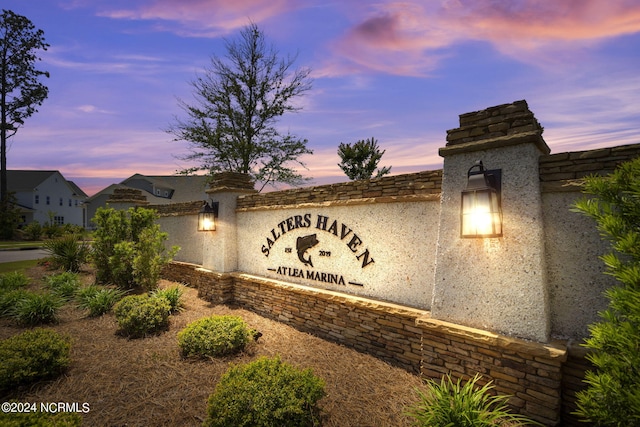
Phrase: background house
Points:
(157, 189)
(45, 196)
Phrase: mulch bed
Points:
(145, 382)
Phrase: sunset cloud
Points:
(408, 38)
(199, 18)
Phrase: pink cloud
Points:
(200, 17)
(408, 38)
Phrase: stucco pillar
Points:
(220, 251)
(496, 284)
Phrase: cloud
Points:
(198, 18)
(410, 38)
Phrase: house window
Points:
(69, 202)
(37, 199)
(58, 220)
(61, 202)
(48, 200)
(158, 192)
(166, 194)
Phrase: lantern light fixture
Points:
(481, 211)
(207, 216)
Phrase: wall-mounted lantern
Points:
(481, 213)
(207, 217)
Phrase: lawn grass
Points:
(8, 267)
(9, 244)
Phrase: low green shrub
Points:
(141, 315)
(9, 299)
(13, 280)
(173, 296)
(65, 285)
(67, 252)
(214, 336)
(33, 231)
(98, 299)
(31, 356)
(36, 308)
(446, 403)
(40, 419)
(266, 392)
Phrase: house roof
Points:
(29, 180)
(185, 188)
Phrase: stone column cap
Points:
(231, 182)
(495, 127)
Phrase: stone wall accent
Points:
(231, 181)
(494, 122)
(381, 189)
(573, 372)
(529, 372)
(178, 209)
(405, 337)
(127, 196)
(563, 171)
(382, 329)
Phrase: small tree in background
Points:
(360, 160)
(613, 393)
(232, 125)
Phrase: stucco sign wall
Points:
(317, 231)
(364, 250)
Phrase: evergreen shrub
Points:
(612, 396)
(266, 392)
(140, 315)
(31, 356)
(214, 336)
(40, 419)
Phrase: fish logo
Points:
(303, 244)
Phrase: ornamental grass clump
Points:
(265, 393)
(446, 403)
(31, 356)
(36, 308)
(139, 316)
(12, 281)
(98, 300)
(65, 285)
(68, 252)
(173, 296)
(214, 336)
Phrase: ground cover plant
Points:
(148, 383)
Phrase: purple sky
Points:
(400, 71)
